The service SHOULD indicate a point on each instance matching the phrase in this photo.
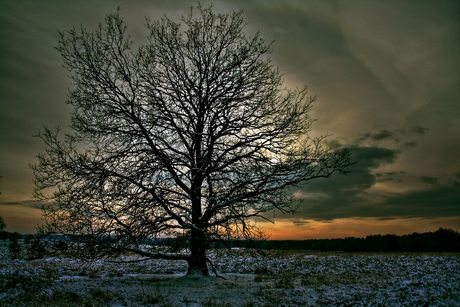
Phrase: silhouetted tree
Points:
(2, 224)
(192, 135)
(447, 240)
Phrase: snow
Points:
(298, 279)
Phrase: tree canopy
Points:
(192, 134)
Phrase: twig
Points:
(214, 269)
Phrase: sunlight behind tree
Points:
(191, 135)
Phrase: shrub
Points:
(15, 248)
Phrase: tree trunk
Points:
(197, 261)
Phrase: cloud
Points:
(430, 180)
(438, 200)
(419, 130)
(372, 157)
(342, 193)
(410, 144)
(356, 196)
(379, 136)
(395, 135)
(383, 134)
(389, 176)
(25, 204)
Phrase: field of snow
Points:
(283, 279)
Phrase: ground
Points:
(279, 279)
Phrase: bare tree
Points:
(191, 135)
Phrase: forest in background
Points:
(442, 240)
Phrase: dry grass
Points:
(66, 298)
(291, 278)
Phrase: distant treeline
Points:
(442, 240)
(5, 235)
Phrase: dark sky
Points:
(387, 76)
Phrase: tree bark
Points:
(197, 263)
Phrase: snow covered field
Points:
(289, 279)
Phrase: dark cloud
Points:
(337, 196)
(379, 136)
(410, 144)
(371, 157)
(383, 134)
(347, 197)
(419, 130)
(389, 176)
(25, 203)
(440, 200)
(429, 180)
(298, 222)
